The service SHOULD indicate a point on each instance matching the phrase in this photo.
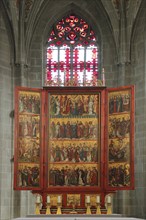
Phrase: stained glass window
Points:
(72, 54)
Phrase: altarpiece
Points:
(74, 141)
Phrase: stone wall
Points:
(12, 203)
(132, 203)
(31, 72)
(6, 135)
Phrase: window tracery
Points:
(72, 54)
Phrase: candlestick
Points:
(109, 205)
(59, 209)
(59, 205)
(38, 202)
(88, 211)
(98, 211)
(37, 209)
(48, 210)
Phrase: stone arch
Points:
(94, 14)
(70, 5)
(134, 16)
(114, 19)
(136, 38)
(72, 9)
(9, 29)
(76, 10)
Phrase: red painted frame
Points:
(80, 90)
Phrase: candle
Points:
(59, 199)
(88, 199)
(38, 199)
(98, 199)
(48, 199)
(109, 199)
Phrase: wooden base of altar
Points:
(76, 217)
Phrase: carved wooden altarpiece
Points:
(74, 141)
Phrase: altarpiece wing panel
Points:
(120, 138)
(28, 149)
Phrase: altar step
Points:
(76, 217)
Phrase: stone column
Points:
(123, 61)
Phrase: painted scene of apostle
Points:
(119, 174)
(29, 102)
(28, 141)
(73, 175)
(119, 139)
(28, 175)
(75, 151)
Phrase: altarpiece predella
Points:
(71, 140)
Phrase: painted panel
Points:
(120, 138)
(74, 140)
(27, 174)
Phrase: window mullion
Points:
(84, 73)
(71, 62)
(58, 63)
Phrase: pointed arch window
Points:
(72, 54)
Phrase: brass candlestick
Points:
(109, 204)
(88, 211)
(109, 208)
(98, 211)
(37, 208)
(59, 209)
(38, 203)
(48, 210)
